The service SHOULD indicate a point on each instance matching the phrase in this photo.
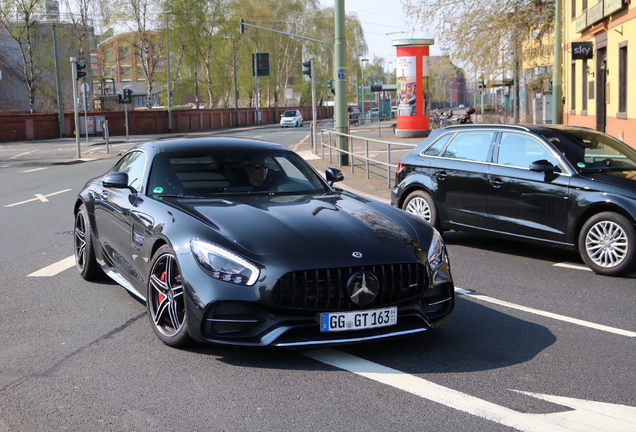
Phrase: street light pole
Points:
(362, 88)
(168, 70)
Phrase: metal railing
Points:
(380, 146)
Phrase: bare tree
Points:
(21, 19)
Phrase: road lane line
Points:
(55, 268)
(584, 416)
(572, 266)
(38, 197)
(33, 170)
(555, 316)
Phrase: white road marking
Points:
(38, 197)
(572, 266)
(32, 170)
(21, 154)
(555, 316)
(55, 268)
(584, 416)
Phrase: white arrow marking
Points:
(586, 415)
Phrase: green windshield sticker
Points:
(158, 190)
(580, 165)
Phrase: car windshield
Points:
(591, 151)
(219, 173)
(289, 114)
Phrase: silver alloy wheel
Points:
(419, 207)
(166, 302)
(606, 244)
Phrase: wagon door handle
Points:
(497, 183)
(104, 195)
(441, 175)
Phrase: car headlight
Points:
(222, 264)
(436, 251)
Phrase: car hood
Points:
(626, 179)
(296, 224)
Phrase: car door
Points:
(113, 208)
(524, 202)
(461, 178)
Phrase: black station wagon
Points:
(564, 186)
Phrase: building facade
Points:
(596, 66)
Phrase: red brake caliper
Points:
(160, 296)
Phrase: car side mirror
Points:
(545, 167)
(334, 175)
(118, 180)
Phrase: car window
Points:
(289, 114)
(438, 145)
(221, 172)
(589, 150)
(520, 151)
(471, 145)
(133, 164)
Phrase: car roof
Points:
(523, 127)
(207, 143)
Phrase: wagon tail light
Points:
(222, 264)
(400, 167)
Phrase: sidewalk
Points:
(63, 151)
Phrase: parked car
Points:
(291, 118)
(241, 242)
(563, 186)
(375, 112)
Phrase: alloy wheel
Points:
(165, 296)
(606, 244)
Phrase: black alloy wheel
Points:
(166, 299)
(84, 252)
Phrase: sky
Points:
(379, 17)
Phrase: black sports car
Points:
(241, 242)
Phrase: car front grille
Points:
(326, 289)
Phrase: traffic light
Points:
(310, 68)
(331, 86)
(80, 72)
(127, 96)
(241, 26)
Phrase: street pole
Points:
(60, 102)
(167, 72)
(236, 93)
(340, 68)
(76, 114)
(314, 120)
(558, 63)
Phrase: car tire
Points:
(421, 204)
(607, 244)
(165, 299)
(85, 260)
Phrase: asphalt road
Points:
(537, 342)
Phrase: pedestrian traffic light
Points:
(79, 72)
(310, 68)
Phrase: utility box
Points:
(542, 109)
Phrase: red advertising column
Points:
(412, 59)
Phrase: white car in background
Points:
(291, 118)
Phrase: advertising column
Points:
(412, 60)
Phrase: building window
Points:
(584, 88)
(109, 57)
(573, 7)
(124, 54)
(622, 77)
(573, 88)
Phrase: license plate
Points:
(360, 320)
